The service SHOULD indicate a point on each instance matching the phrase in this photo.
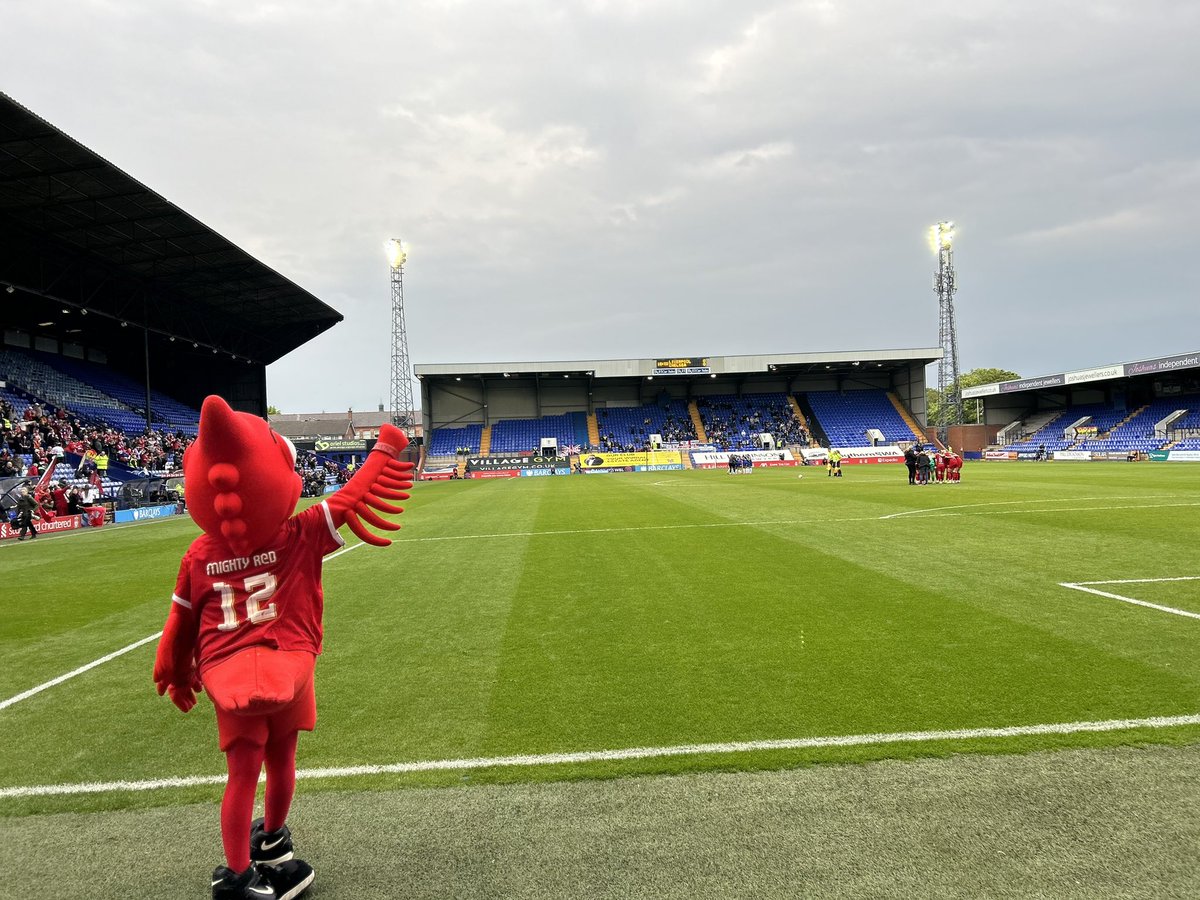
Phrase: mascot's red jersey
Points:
(254, 576)
(271, 597)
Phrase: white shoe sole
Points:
(300, 888)
(273, 862)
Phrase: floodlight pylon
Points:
(945, 284)
(401, 370)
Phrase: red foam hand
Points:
(174, 663)
(184, 695)
(382, 477)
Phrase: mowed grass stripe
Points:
(76, 600)
(621, 755)
(781, 653)
(1012, 567)
(412, 640)
(480, 648)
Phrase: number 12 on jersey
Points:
(258, 589)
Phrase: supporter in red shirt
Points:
(59, 495)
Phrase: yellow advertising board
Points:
(601, 460)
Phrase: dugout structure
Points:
(95, 265)
(454, 395)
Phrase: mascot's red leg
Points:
(281, 779)
(244, 759)
(278, 687)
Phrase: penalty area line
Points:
(630, 753)
(1080, 586)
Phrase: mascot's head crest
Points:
(240, 476)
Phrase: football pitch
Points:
(533, 632)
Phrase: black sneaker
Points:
(289, 879)
(250, 885)
(270, 847)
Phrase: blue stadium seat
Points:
(630, 427)
(447, 441)
(525, 435)
(846, 417)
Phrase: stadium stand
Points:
(525, 435)
(735, 422)
(1184, 432)
(93, 393)
(17, 399)
(1049, 436)
(447, 441)
(46, 382)
(167, 412)
(846, 417)
(1132, 431)
(628, 428)
(1117, 430)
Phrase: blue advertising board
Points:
(145, 512)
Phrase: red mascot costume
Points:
(245, 621)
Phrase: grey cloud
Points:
(665, 163)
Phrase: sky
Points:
(594, 179)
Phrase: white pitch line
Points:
(1141, 580)
(344, 550)
(1061, 509)
(777, 522)
(61, 678)
(623, 528)
(4, 704)
(1076, 586)
(934, 509)
(590, 756)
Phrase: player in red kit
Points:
(939, 466)
(954, 468)
(245, 622)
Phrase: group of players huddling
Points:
(928, 465)
(741, 464)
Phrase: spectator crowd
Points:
(315, 472)
(728, 427)
(637, 437)
(43, 433)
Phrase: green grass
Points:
(1073, 825)
(550, 615)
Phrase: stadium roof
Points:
(1156, 366)
(841, 362)
(78, 231)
